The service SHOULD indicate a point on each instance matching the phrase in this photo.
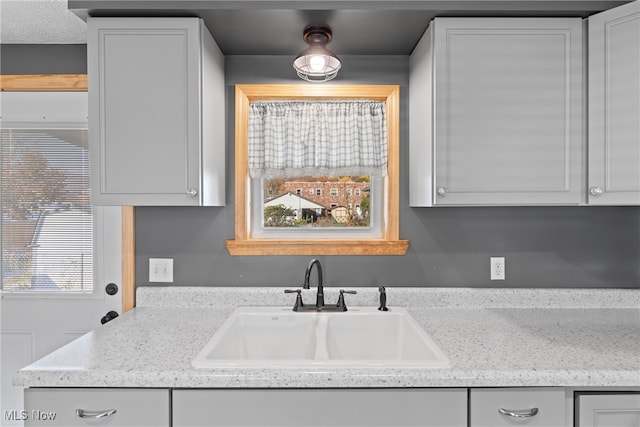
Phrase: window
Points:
(246, 241)
(333, 192)
(348, 192)
(298, 192)
(357, 191)
(319, 192)
(46, 216)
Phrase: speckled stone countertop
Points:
(493, 338)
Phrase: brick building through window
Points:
(330, 193)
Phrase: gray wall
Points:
(43, 59)
(543, 246)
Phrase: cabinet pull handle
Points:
(519, 413)
(192, 192)
(596, 191)
(442, 191)
(95, 415)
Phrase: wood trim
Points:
(44, 82)
(245, 245)
(128, 258)
(241, 163)
(392, 231)
(317, 247)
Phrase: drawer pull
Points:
(521, 413)
(95, 415)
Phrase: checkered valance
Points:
(294, 138)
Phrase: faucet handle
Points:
(341, 304)
(383, 299)
(299, 304)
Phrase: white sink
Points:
(263, 337)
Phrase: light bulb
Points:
(317, 62)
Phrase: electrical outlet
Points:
(161, 270)
(497, 268)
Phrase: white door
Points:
(58, 253)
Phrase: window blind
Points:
(47, 226)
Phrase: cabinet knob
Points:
(192, 192)
(442, 191)
(595, 191)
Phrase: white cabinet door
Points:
(541, 407)
(608, 410)
(321, 408)
(156, 112)
(501, 121)
(113, 407)
(614, 106)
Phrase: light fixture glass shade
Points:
(317, 63)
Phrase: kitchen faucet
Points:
(320, 305)
(307, 274)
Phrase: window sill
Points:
(317, 247)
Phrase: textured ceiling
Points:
(274, 27)
(40, 22)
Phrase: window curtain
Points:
(297, 138)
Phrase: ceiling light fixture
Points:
(317, 63)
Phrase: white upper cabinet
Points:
(496, 112)
(156, 112)
(614, 106)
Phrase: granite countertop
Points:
(493, 338)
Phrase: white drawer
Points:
(517, 406)
(320, 407)
(134, 407)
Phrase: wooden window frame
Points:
(43, 82)
(78, 83)
(245, 244)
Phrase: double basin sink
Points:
(276, 337)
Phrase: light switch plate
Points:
(161, 270)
